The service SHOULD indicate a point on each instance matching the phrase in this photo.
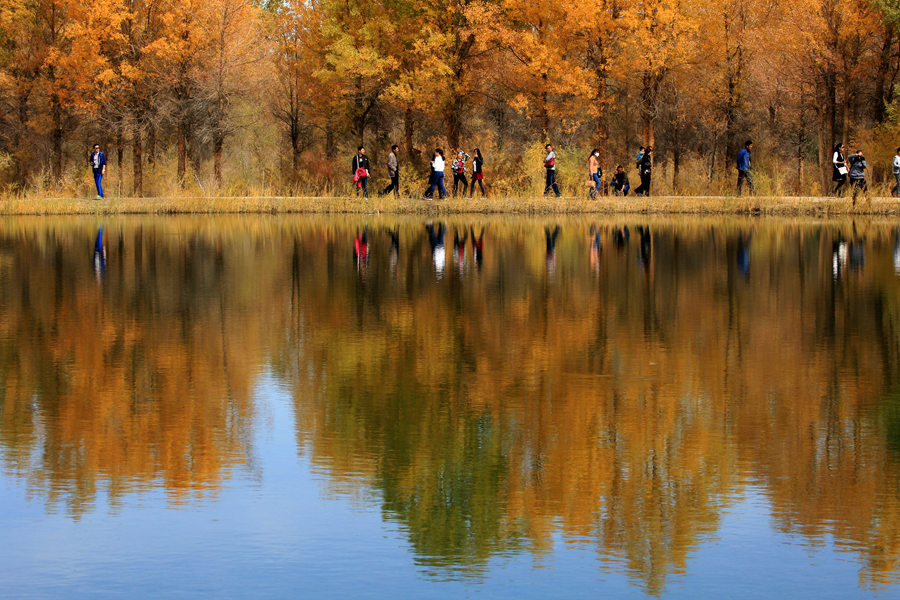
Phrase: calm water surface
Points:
(322, 407)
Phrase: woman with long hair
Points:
(477, 173)
(839, 168)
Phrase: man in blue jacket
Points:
(743, 167)
(98, 165)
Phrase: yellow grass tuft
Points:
(759, 205)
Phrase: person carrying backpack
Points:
(645, 166)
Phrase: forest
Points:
(240, 97)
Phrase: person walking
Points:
(857, 174)
(595, 172)
(360, 171)
(645, 166)
(97, 160)
(458, 166)
(437, 178)
(550, 167)
(895, 191)
(839, 169)
(620, 184)
(393, 169)
(743, 168)
(477, 173)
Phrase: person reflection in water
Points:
(361, 248)
(620, 237)
(550, 238)
(897, 248)
(394, 253)
(646, 247)
(436, 239)
(477, 247)
(595, 248)
(743, 255)
(99, 255)
(844, 254)
(459, 249)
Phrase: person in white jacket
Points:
(895, 191)
(437, 180)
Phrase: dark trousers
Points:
(620, 189)
(550, 183)
(460, 178)
(858, 185)
(839, 186)
(395, 185)
(745, 175)
(644, 188)
(480, 184)
(896, 189)
(98, 177)
(437, 181)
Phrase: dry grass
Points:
(760, 205)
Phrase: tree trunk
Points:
(137, 152)
(454, 123)
(676, 157)
(57, 137)
(649, 96)
(182, 151)
(883, 72)
(120, 145)
(330, 143)
(602, 122)
(21, 161)
(823, 151)
(151, 144)
(845, 113)
(218, 143)
(408, 131)
(545, 117)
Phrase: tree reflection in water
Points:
(622, 398)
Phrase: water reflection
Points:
(490, 410)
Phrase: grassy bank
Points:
(759, 205)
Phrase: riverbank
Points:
(699, 205)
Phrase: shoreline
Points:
(663, 205)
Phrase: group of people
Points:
(853, 167)
(619, 182)
(850, 168)
(361, 169)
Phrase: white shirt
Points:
(438, 164)
(836, 158)
(896, 164)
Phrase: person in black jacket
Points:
(645, 166)
(620, 182)
(838, 168)
(360, 171)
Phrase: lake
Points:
(504, 407)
